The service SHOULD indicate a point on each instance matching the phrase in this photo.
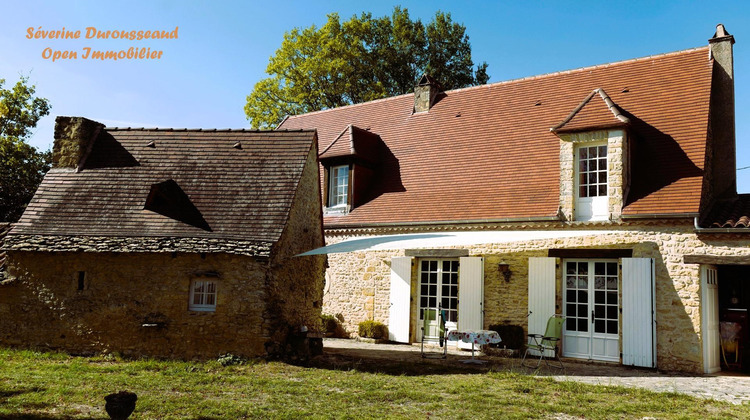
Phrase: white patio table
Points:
(474, 337)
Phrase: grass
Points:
(36, 385)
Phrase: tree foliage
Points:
(22, 167)
(359, 60)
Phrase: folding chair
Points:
(549, 341)
(433, 331)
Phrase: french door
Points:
(438, 287)
(591, 302)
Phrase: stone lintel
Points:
(590, 253)
(717, 259)
(437, 253)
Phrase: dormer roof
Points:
(354, 143)
(597, 111)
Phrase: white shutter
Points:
(638, 311)
(710, 319)
(541, 294)
(470, 295)
(399, 315)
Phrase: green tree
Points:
(22, 167)
(359, 60)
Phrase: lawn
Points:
(35, 385)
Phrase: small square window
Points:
(202, 295)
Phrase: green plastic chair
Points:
(433, 333)
(549, 341)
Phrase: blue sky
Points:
(223, 47)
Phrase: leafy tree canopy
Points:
(22, 167)
(359, 60)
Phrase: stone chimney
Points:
(74, 138)
(425, 93)
(722, 152)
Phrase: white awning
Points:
(448, 239)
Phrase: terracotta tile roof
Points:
(486, 152)
(733, 214)
(237, 191)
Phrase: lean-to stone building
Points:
(606, 194)
(167, 242)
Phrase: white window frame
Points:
(338, 200)
(206, 299)
(594, 207)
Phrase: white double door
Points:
(591, 308)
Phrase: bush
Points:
(373, 329)
(512, 336)
(230, 359)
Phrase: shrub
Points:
(373, 329)
(512, 335)
(230, 359)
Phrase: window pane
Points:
(612, 298)
(599, 268)
(583, 296)
(602, 177)
(583, 311)
(612, 312)
(611, 327)
(584, 153)
(602, 190)
(592, 191)
(570, 324)
(602, 150)
(599, 326)
(570, 267)
(583, 325)
(570, 309)
(570, 296)
(599, 297)
(570, 282)
(583, 192)
(592, 178)
(599, 311)
(612, 283)
(583, 269)
(612, 268)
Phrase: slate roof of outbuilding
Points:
(487, 152)
(4, 228)
(241, 182)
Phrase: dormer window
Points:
(592, 202)
(349, 161)
(338, 187)
(593, 160)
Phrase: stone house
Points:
(168, 243)
(606, 194)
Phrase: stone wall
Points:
(43, 308)
(295, 292)
(360, 281)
